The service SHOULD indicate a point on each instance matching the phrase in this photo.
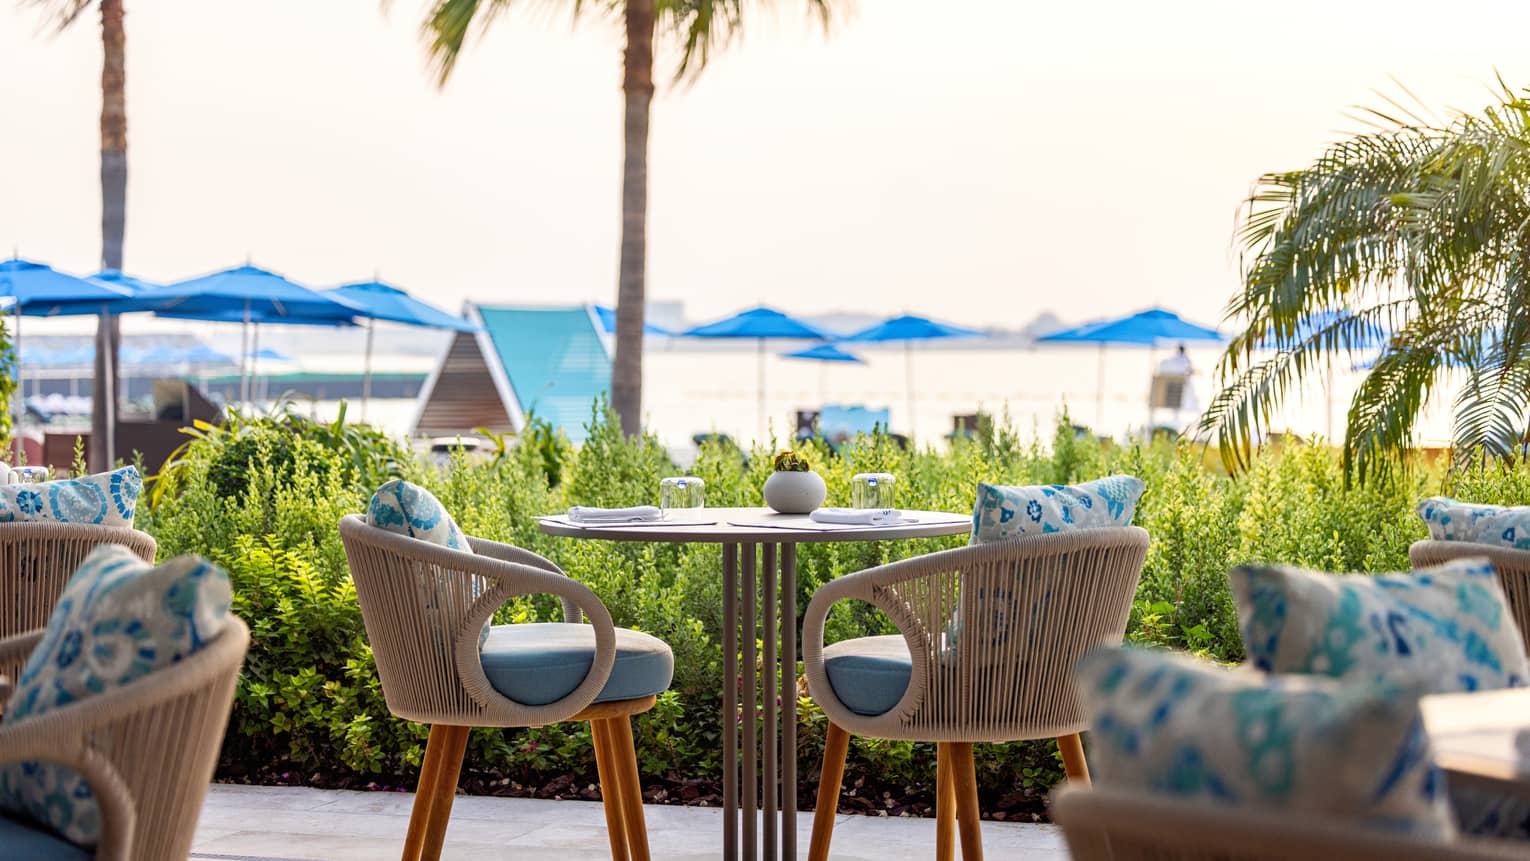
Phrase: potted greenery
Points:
(794, 488)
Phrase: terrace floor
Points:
(255, 823)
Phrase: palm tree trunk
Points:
(637, 86)
(113, 222)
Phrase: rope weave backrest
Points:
(37, 560)
(1512, 567)
(994, 631)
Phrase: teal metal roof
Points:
(554, 359)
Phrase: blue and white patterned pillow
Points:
(107, 499)
(1446, 628)
(1498, 525)
(1011, 512)
(1177, 726)
(408, 509)
(119, 619)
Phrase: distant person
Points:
(1178, 365)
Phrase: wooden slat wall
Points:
(464, 397)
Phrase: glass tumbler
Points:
(873, 490)
(28, 474)
(682, 493)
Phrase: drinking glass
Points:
(682, 493)
(28, 474)
(873, 490)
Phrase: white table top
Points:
(760, 526)
(1482, 735)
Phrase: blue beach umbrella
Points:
(379, 301)
(759, 324)
(39, 290)
(908, 329)
(1143, 329)
(824, 353)
(256, 295)
(1312, 325)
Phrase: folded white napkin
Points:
(635, 514)
(857, 516)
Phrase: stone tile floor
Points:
(253, 823)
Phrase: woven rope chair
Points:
(1117, 825)
(1513, 567)
(424, 605)
(147, 750)
(37, 559)
(993, 632)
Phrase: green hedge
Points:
(262, 498)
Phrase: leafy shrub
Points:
(310, 708)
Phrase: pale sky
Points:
(975, 160)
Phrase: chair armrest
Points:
(870, 586)
(511, 553)
(59, 738)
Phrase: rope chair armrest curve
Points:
(63, 743)
(512, 553)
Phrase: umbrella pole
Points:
(244, 359)
(366, 370)
(760, 390)
(1328, 394)
(255, 362)
(1099, 393)
(908, 381)
(110, 401)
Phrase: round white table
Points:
(743, 533)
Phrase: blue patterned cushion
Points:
(1178, 726)
(1011, 512)
(108, 498)
(1446, 628)
(1500, 526)
(408, 509)
(118, 620)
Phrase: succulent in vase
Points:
(794, 488)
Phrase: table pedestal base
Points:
(762, 775)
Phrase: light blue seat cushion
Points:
(869, 674)
(536, 664)
(20, 840)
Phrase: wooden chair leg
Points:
(437, 788)
(610, 790)
(835, 747)
(1072, 747)
(619, 732)
(968, 818)
(945, 805)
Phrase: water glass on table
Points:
(873, 490)
(682, 493)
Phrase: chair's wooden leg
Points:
(610, 790)
(945, 805)
(419, 815)
(619, 731)
(836, 745)
(442, 789)
(969, 820)
(1072, 747)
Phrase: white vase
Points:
(795, 492)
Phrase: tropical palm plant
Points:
(699, 27)
(113, 196)
(1420, 229)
